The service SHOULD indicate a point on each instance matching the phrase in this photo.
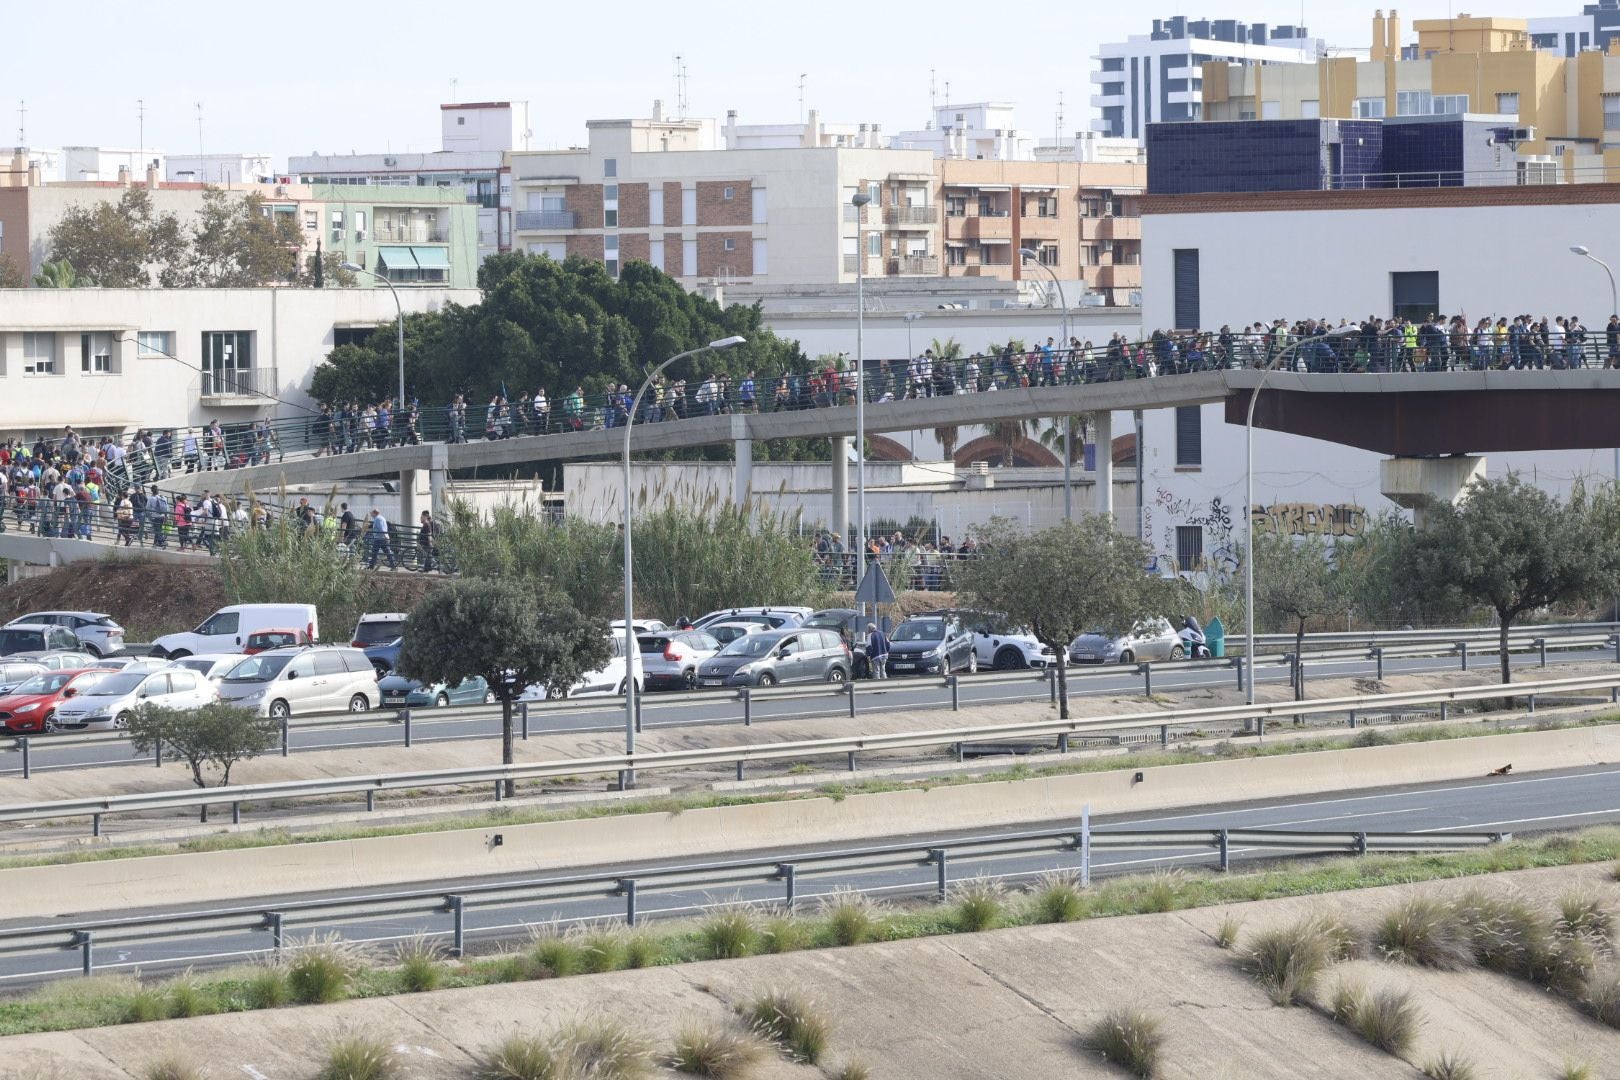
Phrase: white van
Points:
(228, 628)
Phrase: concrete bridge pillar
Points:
(840, 487)
(439, 482)
(1416, 482)
(409, 504)
(1103, 424)
(742, 478)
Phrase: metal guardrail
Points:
(740, 756)
(934, 856)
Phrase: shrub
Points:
(420, 963)
(852, 1070)
(267, 987)
(1602, 995)
(187, 996)
(1287, 961)
(1581, 914)
(510, 968)
(605, 1050)
(1384, 1018)
(1163, 891)
(1507, 934)
(1128, 1038)
(146, 1003)
(1565, 966)
(1449, 1067)
(792, 1022)
(852, 918)
(172, 1067)
(1577, 1070)
(782, 933)
(356, 1056)
(641, 949)
(554, 953)
(729, 933)
(522, 1057)
(1226, 934)
(978, 905)
(719, 1052)
(1425, 932)
(1058, 898)
(321, 969)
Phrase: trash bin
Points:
(1215, 637)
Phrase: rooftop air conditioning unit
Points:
(390, 161)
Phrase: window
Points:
(224, 623)
(655, 205)
(874, 244)
(39, 354)
(312, 220)
(1189, 435)
(610, 254)
(761, 262)
(729, 244)
(329, 662)
(1310, 109)
(1369, 108)
(461, 121)
(956, 205)
(874, 191)
(359, 225)
(1450, 104)
(1415, 294)
(610, 167)
(226, 355)
(1049, 254)
(759, 205)
(1189, 546)
(351, 335)
(728, 193)
(1611, 112)
(956, 255)
(337, 226)
(154, 343)
(689, 258)
(95, 354)
(1507, 104)
(1185, 283)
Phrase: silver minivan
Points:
(282, 682)
(778, 656)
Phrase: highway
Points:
(1527, 803)
(690, 709)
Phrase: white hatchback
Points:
(111, 701)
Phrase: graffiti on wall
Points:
(1329, 520)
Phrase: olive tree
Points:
(215, 736)
(511, 633)
(1295, 581)
(1062, 581)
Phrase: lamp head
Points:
(728, 342)
(1028, 253)
(860, 198)
(352, 267)
(1580, 249)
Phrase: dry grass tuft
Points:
(1425, 932)
(852, 918)
(1287, 961)
(729, 933)
(793, 1022)
(1384, 1018)
(722, 1053)
(1129, 1039)
(1058, 898)
(360, 1056)
(979, 904)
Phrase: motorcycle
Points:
(1193, 644)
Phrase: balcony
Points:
(910, 216)
(921, 265)
(546, 220)
(239, 386)
(409, 234)
(1114, 276)
(997, 226)
(1111, 227)
(1104, 101)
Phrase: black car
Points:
(935, 643)
(851, 624)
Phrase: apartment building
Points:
(1554, 114)
(1158, 76)
(220, 169)
(1566, 35)
(1081, 221)
(979, 131)
(661, 190)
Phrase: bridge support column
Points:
(840, 488)
(409, 504)
(439, 482)
(1103, 424)
(742, 478)
(1415, 482)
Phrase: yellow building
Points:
(1466, 64)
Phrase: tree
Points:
(122, 245)
(576, 557)
(238, 243)
(1514, 548)
(1062, 581)
(215, 736)
(58, 275)
(512, 633)
(1296, 581)
(11, 275)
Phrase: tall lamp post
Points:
(1286, 353)
(355, 268)
(859, 201)
(1068, 484)
(629, 575)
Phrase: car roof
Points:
(62, 611)
(276, 630)
(384, 616)
(294, 650)
(30, 626)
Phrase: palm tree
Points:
(1008, 434)
(1052, 436)
(947, 437)
(57, 275)
(947, 351)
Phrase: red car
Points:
(31, 707)
(260, 640)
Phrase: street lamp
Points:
(910, 317)
(356, 268)
(1248, 502)
(629, 576)
(1068, 484)
(859, 201)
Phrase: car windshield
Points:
(12, 641)
(749, 645)
(116, 685)
(48, 683)
(261, 668)
(378, 631)
(192, 663)
(273, 639)
(920, 630)
(1107, 635)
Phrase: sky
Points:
(290, 79)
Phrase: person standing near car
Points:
(877, 651)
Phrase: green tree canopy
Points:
(513, 633)
(1295, 581)
(237, 243)
(1062, 581)
(214, 736)
(287, 563)
(53, 275)
(122, 245)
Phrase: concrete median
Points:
(549, 847)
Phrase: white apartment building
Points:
(1566, 35)
(220, 169)
(980, 131)
(1158, 76)
(88, 164)
(813, 131)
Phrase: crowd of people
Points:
(921, 563)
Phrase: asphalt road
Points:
(686, 709)
(1528, 803)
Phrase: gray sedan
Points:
(1148, 641)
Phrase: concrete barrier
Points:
(548, 847)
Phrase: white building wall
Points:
(218, 169)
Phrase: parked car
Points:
(1005, 648)
(851, 624)
(384, 657)
(670, 659)
(111, 700)
(228, 628)
(277, 638)
(378, 628)
(932, 643)
(31, 706)
(774, 617)
(36, 638)
(60, 659)
(137, 663)
(727, 632)
(640, 626)
(778, 656)
(400, 692)
(1149, 640)
(608, 679)
(14, 673)
(284, 682)
(97, 633)
(211, 666)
